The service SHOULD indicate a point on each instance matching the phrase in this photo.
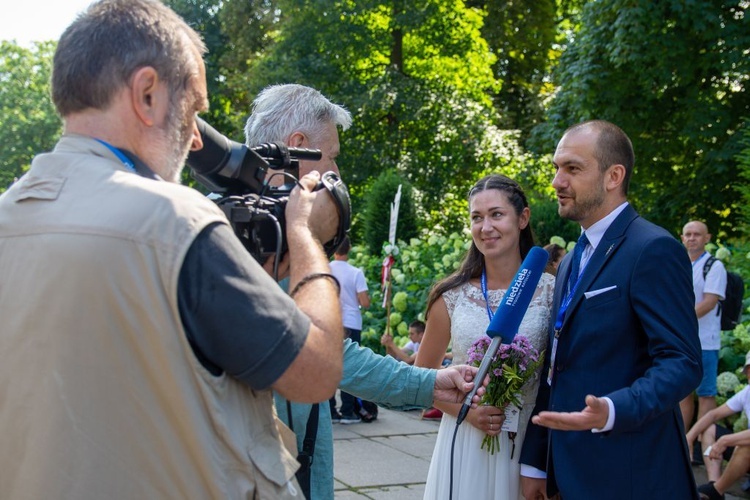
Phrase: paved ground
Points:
(389, 458)
(385, 459)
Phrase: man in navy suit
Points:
(624, 347)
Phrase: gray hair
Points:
(99, 52)
(281, 110)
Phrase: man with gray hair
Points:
(300, 116)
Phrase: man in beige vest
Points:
(140, 338)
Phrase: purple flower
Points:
(514, 365)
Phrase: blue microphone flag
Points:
(507, 318)
(516, 300)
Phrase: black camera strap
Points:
(305, 457)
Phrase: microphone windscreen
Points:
(516, 300)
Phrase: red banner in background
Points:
(386, 271)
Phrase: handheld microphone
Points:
(507, 318)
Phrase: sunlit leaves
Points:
(28, 122)
(672, 75)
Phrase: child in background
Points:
(408, 353)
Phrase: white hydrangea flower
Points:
(723, 254)
(390, 249)
(726, 382)
(557, 240)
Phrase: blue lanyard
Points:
(484, 293)
(567, 298)
(560, 318)
(119, 154)
(558, 326)
(564, 305)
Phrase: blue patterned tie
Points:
(575, 268)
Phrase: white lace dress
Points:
(476, 473)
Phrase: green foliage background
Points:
(28, 122)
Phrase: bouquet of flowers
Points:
(513, 365)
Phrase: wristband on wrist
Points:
(314, 276)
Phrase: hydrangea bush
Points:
(419, 264)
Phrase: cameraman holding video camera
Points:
(302, 117)
(139, 336)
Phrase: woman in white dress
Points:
(457, 315)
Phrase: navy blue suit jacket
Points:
(635, 340)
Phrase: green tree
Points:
(29, 124)
(522, 36)
(235, 32)
(743, 187)
(673, 75)
(249, 28)
(420, 263)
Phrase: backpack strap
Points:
(707, 266)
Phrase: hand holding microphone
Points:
(507, 318)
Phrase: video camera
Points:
(237, 176)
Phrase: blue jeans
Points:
(710, 372)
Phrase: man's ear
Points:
(296, 140)
(615, 177)
(148, 95)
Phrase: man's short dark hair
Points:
(99, 52)
(345, 247)
(613, 147)
(417, 325)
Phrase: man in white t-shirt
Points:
(709, 287)
(354, 295)
(713, 448)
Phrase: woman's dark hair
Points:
(473, 262)
(555, 252)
